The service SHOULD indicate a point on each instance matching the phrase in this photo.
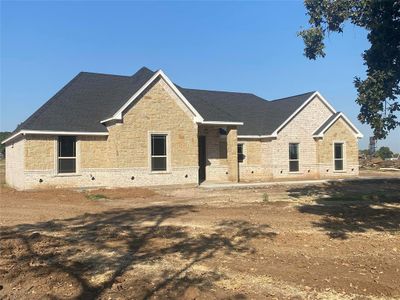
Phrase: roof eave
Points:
(51, 132)
(221, 123)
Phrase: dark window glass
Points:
(66, 154)
(293, 157)
(159, 163)
(338, 150)
(338, 164)
(158, 152)
(240, 153)
(66, 165)
(338, 156)
(294, 166)
(66, 146)
(293, 151)
(158, 145)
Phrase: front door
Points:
(202, 158)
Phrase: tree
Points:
(384, 152)
(378, 92)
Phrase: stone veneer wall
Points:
(268, 159)
(256, 165)
(15, 163)
(122, 157)
(338, 132)
(40, 152)
(300, 130)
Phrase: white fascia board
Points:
(358, 133)
(198, 117)
(48, 132)
(275, 133)
(340, 115)
(118, 114)
(256, 136)
(220, 123)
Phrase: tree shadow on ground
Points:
(93, 252)
(353, 206)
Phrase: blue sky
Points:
(235, 46)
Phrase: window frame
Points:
(342, 158)
(167, 152)
(58, 153)
(294, 160)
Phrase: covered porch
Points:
(218, 153)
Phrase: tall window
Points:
(240, 153)
(158, 152)
(293, 157)
(66, 154)
(338, 156)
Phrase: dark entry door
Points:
(202, 158)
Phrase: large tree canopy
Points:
(378, 93)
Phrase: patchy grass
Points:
(95, 196)
(265, 197)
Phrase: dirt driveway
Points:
(330, 241)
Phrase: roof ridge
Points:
(215, 91)
(284, 98)
(96, 73)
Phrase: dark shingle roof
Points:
(260, 117)
(91, 97)
(85, 101)
(326, 123)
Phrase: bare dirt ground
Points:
(330, 241)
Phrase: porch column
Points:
(232, 155)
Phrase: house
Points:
(140, 130)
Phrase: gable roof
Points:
(90, 99)
(331, 120)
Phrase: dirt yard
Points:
(332, 241)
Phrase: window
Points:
(338, 156)
(293, 157)
(66, 154)
(240, 153)
(158, 152)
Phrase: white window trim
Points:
(298, 156)
(168, 143)
(76, 157)
(343, 156)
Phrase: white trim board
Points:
(220, 123)
(255, 136)
(118, 114)
(340, 115)
(48, 132)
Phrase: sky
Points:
(233, 46)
